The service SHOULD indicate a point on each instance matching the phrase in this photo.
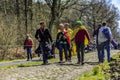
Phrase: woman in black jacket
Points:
(44, 37)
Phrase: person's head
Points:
(104, 24)
(78, 23)
(61, 27)
(28, 36)
(99, 25)
(66, 25)
(42, 24)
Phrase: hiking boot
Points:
(27, 60)
(60, 62)
(45, 63)
(78, 63)
(82, 63)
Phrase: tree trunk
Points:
(30, 13)
(25, 12)
(53, 16)
(18, 20)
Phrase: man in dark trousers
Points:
(79, 38)
(44, 38)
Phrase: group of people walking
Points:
(64, 38)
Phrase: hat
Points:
(79, 22)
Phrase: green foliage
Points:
(103, 71)
(18, 18)
(95, 74)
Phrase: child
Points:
(28, 46)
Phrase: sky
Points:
(117, 4)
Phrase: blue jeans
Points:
(29, 52)
(61, 47)
(101, 52)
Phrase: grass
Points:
(36, 63)
(95, 74)
(101, 71)
(28, 64)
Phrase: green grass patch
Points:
(95, 74)
(102, 71)
(36, 63)
(28, 64)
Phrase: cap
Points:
(79, 22)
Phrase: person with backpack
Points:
(62, 40)
(28, 46)
(82, 38)
(104, 40)
(44, 37)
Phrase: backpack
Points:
(107, 33)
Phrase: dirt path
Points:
(54, 71)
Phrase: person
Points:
(67, 28)
(62, 40)
(44, 37)
(79, 35)
(104, 39)
(28, 46)
(95, 34)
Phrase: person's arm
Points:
(49, 35)
(87, 35)
(37, 34)
(57, 39)
(32, 42)
(95, 32)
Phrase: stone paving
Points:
(53, 71)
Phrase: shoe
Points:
(45, 64)
(69, 61)
(82, 63)
(78, 63)
(28, 60)
(66, 60)
(60, 62)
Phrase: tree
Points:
(57, 8)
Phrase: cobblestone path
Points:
(53, 71)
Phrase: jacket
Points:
(44, 35)
(28, 43)
(63, 38)
(86, 40)
(101, 35)
(80, 36)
